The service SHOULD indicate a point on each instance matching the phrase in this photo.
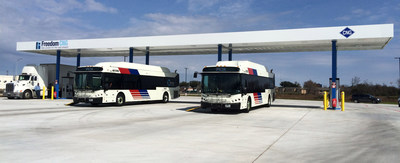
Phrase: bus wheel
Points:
(27, 94)
(120, 99)
(269, 101)
(248, 106)
(165, 97)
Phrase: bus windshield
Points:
(221, 83)
(24, 77)
(88, 81)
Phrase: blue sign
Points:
(37, 45)
(63, 42)
(347, 32)
(43, 45)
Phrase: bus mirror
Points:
(195, 74)
(105, 86)
(244, 90)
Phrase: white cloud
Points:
(92, 5)
(165, 24)
(198, 5)
(65, 6)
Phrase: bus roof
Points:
(128, 68)
(245, 67)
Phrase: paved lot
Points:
(289, 131)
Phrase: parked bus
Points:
(236, 85)
(120, 82)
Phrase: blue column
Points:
(131, 55)
(334, 72)
(78, 60)
(147, 55)
(58, 73)
(219, 52)
(230, 52)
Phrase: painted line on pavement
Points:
(193, 108)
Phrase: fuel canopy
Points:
(362, 37)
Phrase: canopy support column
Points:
(147, 55)
(333, 93)
(78, 60)
(219, 52)
(230, 52)
(57, 73)
(131, 55)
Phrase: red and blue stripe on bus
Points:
(138, 94)
(257, 98)
(252, 71)
(128, 71)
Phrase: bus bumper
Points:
(97, 100)
(230, 106)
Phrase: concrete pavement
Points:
(289, 131)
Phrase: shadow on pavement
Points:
(298, 106)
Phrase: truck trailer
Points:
(44, 75)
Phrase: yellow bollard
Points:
(52, 92)
(325, 100)
(44, 92)
(342, 101)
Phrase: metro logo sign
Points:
(347, 32)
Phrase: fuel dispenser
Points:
(67, 89)
(334, 96)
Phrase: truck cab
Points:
(23, 87)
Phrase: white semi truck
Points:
(45, 75)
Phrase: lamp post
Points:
(186, 74)
(398, 58)
(398, 80)
(16, 65)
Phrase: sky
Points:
(35, 20)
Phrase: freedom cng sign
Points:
(59, 44)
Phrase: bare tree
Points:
(398, 83)
(355, 81)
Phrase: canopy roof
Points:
(362, 37)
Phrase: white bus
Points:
(120, 82)
(236, 85)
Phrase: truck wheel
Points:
(27, 94)
(120, 99)
(165, 98)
